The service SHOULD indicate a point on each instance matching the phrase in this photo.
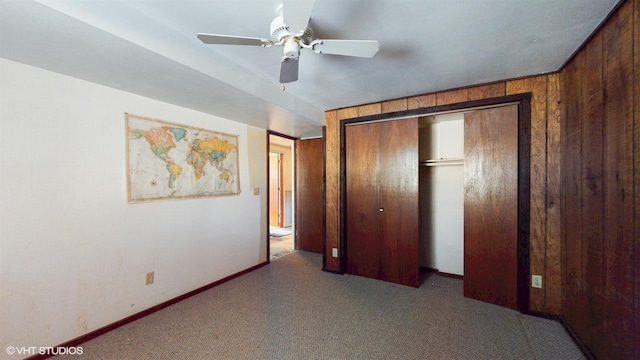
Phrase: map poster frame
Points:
(167, 160)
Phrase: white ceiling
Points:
(149, 47)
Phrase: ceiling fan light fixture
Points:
(291, 48)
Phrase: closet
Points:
(441, 153)
(469, 200)
(439, 192)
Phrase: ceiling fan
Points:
(292, 30)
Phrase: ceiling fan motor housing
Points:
(279, 30)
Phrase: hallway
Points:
(280, 245)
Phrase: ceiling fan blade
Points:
(232, 40)
(296, 14)
(360, 48)
(288, 70)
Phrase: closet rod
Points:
(442, 162)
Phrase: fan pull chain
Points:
(282, 87)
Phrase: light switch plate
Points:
(334, 252)
(149, 278)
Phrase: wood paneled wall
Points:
(545, 170)
(601, 158)
(585, 183)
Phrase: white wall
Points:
(73, 252)
(442, 195)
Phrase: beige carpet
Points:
(290, 309)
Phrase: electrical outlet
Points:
(334, 252)
(536, 281)
(255, 191)
(149, 278)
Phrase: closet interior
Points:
(441, 203)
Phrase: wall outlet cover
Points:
(536, 281)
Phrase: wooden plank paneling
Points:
(519, 86)
(345, 113)
(394, 105)
(553, 273)
(332, 189)
(592, 98)
(422, 101)
(564, 175)
(537, 197)
(369, 109)
(452, 97)
(487, 91)
(573, 191)
(601, 252)
(352, 112)
(618, 199)
(538, 206)
(537, 236)
(636, 188)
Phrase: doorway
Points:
(280, 195)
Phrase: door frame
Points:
(524, 174)
(293, 171)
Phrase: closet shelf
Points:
(442, 162)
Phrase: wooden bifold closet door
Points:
(491, 205)
(382, 200)
(309, 194)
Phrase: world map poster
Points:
(169, 161)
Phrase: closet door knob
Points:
(381, 209)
